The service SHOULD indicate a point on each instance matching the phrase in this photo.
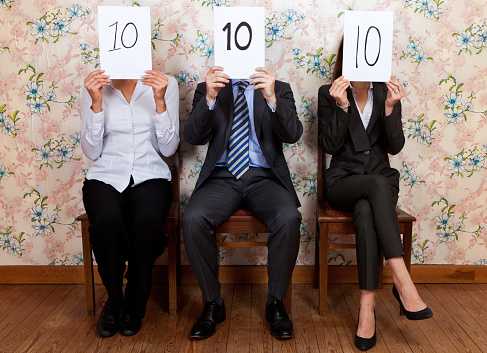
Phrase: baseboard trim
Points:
(246, 274)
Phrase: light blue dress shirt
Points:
(256, 156)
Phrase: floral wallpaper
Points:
(48, 47)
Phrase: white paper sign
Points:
(239, 40)
(125, 41)
(367, 46)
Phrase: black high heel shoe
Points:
(426, 313)
(365, 344)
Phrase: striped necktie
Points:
(238, 148)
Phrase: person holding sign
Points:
(359, 124)
(127, 126)
(245, 124)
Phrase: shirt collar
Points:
(235, 81)
(370, 87)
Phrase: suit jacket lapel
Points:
(356, 128)
(259, 109)
(378, 93)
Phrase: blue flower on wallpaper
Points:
(429, 8)
(203, 45)
(59, 27)
(410, 177)
(307, 111)
(474, 37)
(447, 226)
(6, 3)
(90, 56)
(452, 101)
(275, 32)
(306, 233)
(4, 172)
(214, 3)
(183, 78)
(40, 29)
(12, 244)
(468, 161)
(8, 123)
(316, 63)
(53, 25)
(420, 131)
(481, 262)
(56, 151)
(39, 101)
(157, 35)
(75, 11)
(275, 29)
(419, 250)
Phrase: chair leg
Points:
(323, 306)
(172, 269)
(317, 258)
(381, 270)
(407, 245)
(178, 259)
(88, 268)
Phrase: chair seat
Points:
(328, 213)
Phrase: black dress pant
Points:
(127, 226)
(372, 199)
(259, 192)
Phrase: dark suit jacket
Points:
(272, 129)
(354, 149)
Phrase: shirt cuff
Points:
(211, 107)
(162, 121)
(272, 109)
(96, 120)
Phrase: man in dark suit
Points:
(245, 124)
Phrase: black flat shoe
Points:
(426, 313)
(109, 321)
(205, 325)
(129, 324)
(365, 344)
(281, 325)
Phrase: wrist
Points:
(160, 107)
(344, 105)
(210, 100)
(272, 101)
(96, 108)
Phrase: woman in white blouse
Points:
(127, 126)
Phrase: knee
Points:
(287, 218)
(193, 222)
(380, 185)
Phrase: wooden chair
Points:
(330, 221)
(171, 228)
(242, 221)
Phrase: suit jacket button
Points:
(366, 152)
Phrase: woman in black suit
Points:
(359, 125)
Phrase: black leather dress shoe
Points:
(205, 324)
(109, 321)
(426, 313)
(281, 325)
(364, 344)
(129, 324)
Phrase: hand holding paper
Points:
(159, 83)
(215, 80)
(94, 85)
(264, 80)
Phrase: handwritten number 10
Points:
(121, 37)
(237, 44)
(365, 46)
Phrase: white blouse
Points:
(367, 113)
(129, 139)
